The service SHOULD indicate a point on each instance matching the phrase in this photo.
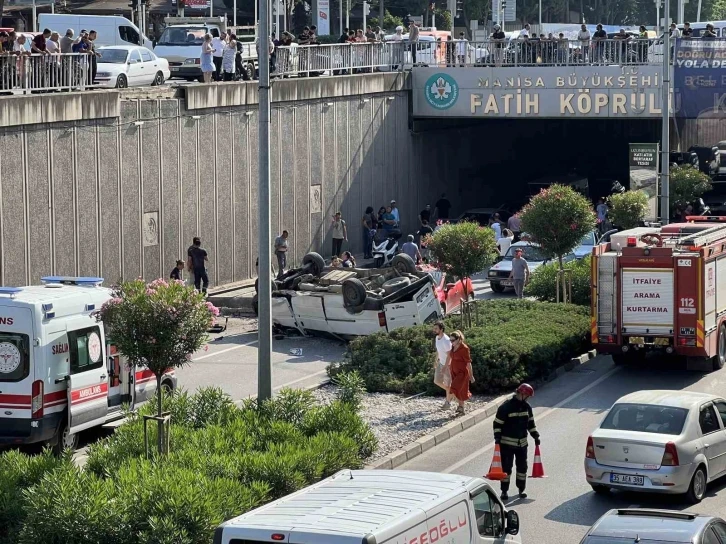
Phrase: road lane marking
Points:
(540, 417)
(220, 352)
(288, 384)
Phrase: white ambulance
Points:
(59, 372)
(380, 507)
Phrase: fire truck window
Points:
(14, 357)
(85, 349)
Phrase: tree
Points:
(628, 209)
(389, 21)
(558, 218)
(157, 325)
(443, 19)
(687, 184)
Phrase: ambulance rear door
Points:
(88, 387)
(17, 375)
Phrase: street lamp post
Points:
(665, 108)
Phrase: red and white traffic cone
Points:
(495, 471)
(537, 467)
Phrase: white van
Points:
(111, 29)
(59, 372)
(181, 43)
(380, 507)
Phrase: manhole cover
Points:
(583, 370)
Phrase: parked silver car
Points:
(659, 442)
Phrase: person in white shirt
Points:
(396, 213)
(524, 33)
(461, 49)
(505, 242)
(584, 37)
(496, 227)
(442, 373)
(218, 43)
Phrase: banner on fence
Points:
(323, 17)
(699, 78)
(643, 160)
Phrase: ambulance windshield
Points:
(14, 357)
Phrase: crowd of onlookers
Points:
(37, 61)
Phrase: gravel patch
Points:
(398, 420)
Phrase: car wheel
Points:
(404, 264)
(315, 262)
(122, 82)
(497, 287)
(158, 79)
(167, 388)
(600, 489)
(720, 359)
(395, 284)
(697, 489)
(354, 293)
(256, 305)
(66, 439)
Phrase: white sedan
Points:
(122, 66)
(659, 442)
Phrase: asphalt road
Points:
(561, 507)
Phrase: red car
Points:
(449, 291)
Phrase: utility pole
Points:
(381, 16)
(365, 13)
(340, 5)
(347, 13)
(665, 144)
(264, 242)
(234, 15)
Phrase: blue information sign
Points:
(699, 77)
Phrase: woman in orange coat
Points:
(461, 371)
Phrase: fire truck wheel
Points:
(720, 359)
(65, 440)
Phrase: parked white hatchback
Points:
(659, 442)
(122, 66)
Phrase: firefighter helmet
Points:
(526, 389)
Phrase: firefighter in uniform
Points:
(513, 421)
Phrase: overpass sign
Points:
(538, 92)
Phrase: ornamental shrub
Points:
(687, 184)
(558, 218)
(627, 210)
(510, 341)
(543, 283)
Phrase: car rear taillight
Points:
(670, 455)
(590, 449)
(382, 319)
(37, 400)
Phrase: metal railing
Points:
(338, 59)
(26, 73)
(544, 52)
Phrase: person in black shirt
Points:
(599, 43)
(424, 231)
(175, 273)
(425, 215)
(198, 260)
(442, 207)
(708, 34)
(687, 31)
(499, 38)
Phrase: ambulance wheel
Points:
(315, 263)
(65, 439)
(720, 359)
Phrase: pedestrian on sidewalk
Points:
(368, 225)
(340, 233)
(218, 43)
(175, 273)
(519, 273)
(462, 374)
(513, 421)
(442, 373)
(281, 247)
(206, 63)
(197, 262)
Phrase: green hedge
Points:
(542, 285)
(224, 461)
(513, 340)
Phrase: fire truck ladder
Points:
(703, 238)
(606, 294)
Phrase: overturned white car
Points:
(348, 302)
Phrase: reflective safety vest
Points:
(513, 421)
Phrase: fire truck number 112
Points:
(687, 303)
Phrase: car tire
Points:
(354, 293)
(697, 489)
(158, 79)
(600, 489)
(497, 287)
(404, 264)
(395, 284)
(65, 439)
(720, 359)
(314, 262)
(167, 387)
(256, 305)
(122, 82)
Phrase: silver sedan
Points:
(659, 442)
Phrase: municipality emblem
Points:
(441, 91)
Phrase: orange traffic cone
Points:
(537, 467)
(495, 471)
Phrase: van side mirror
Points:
(512, 522)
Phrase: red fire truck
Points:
(657, 288)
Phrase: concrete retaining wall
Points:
(117, 184)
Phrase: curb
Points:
(441, 435)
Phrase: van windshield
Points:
(182, 35)
(14, 357)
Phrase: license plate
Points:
(626, 479)
(507, 283)
(175, 69)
